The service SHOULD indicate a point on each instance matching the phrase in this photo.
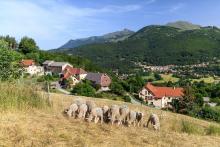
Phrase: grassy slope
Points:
(206, 80)
(51, 128)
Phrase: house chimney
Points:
(174, 87)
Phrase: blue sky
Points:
(53, 22)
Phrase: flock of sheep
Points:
(87, 110)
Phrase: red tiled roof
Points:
(28, 62)
(69, 71)
(160, 92)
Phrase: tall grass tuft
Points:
(190, 128)
(21, 96)
(213, 130)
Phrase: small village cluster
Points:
(66, 72)
(122, 115)
(160, 97)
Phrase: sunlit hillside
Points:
(48, 127)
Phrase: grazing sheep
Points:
(105, 110)
(79, 102)
(82, 111)
(90, 105)
(124, 111)
(132, 118)
(114, 114)
(96, 114)
(71, 111)
(139, 118)
(154, 119)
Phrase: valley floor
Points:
(51, 128)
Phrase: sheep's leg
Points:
(69, 113)
(84, 115)
(74, 115)
(119, 122)
(149, 120)
(113, 120)
(129, 123)
(80, 115)
(96, 119)
(101, 119)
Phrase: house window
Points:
(146, 92)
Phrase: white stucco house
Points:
(160, 97)
(31, 68)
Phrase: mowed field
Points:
(48, 127)
(169, 77)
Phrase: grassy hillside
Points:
(183, 25)
(36, 127)
(156, 45)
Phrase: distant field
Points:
(206, 80)
(151, 76)
(167, 78)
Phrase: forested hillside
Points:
(156, 45)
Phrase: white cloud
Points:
(50, 21)
(176, 7)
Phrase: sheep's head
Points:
(65, 111)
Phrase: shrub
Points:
(45, 78)
(213, 130)
(9, 63)
(211, 113)
(20, 96)
(190, 128)
(199, 99)
(117, 88)
(84, 89)
(127, 99)
(157, 76)
(98, 95)
(215, 100)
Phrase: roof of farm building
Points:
(160, 92)
(27, 62)
(73, 71)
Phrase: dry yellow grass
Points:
(51, 128)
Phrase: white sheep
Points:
(154, 120)
(96, 114)
(132, 118)
(124, 111)
(114, 114)
(82, 111)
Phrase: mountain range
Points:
(175, 43)
(110, 37)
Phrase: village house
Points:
(160, 97)
(74, 74)
(31, 68)
(52, 67)
(207, 102)
(100, 79)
